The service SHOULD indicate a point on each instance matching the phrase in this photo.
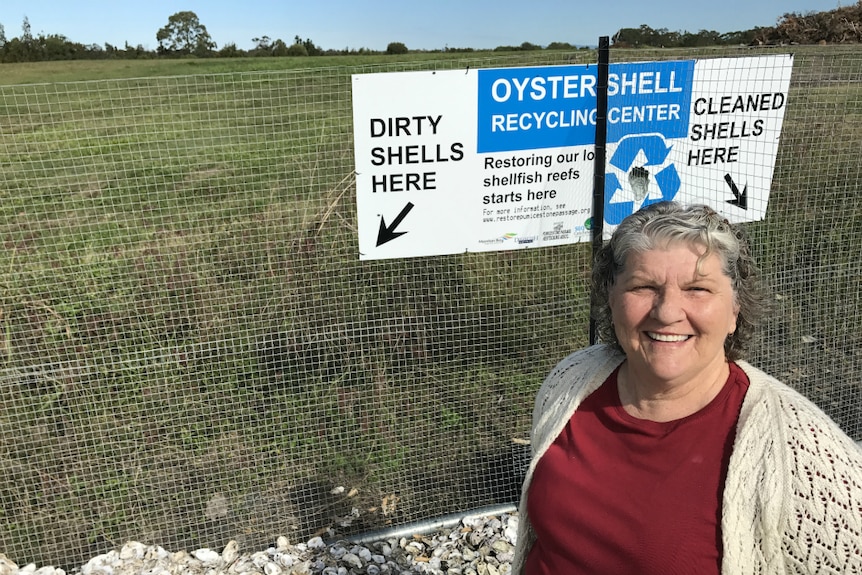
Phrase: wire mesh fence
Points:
(192, 351)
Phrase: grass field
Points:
(193, 352)
(85, 70)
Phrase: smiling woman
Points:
(662, 451)
(671, 320)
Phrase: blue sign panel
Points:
(554, 106)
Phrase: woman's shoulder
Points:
(772, 408)
(573, 378)
(584, 368)
(594, 356)
(582, 364)
(765, 388)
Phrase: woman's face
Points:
(670, 320)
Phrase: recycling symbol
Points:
(636, 159)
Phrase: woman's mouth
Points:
(666, 336)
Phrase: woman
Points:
(662, 452)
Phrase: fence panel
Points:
(192, 351)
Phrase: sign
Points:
(498, 159)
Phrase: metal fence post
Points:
(598, 216)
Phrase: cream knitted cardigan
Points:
(793, 496)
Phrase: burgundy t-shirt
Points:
(615, 494)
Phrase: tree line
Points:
(184, 36)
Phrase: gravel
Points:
(474, 545)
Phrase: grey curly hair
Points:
(663, 223)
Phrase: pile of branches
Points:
(840, 26)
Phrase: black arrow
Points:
(739, 200)
(388, 233)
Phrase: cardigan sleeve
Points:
(793, 496)
(824, 531)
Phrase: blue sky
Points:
(375, 23)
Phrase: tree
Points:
(279, 48)
(262, 45)
(297, 49)
(310, 48)
(396, 48)
(229, 51)
(23, 49)
(2, 36)
(56, 47)
(738, 37)
(26, 34)
(184, 34)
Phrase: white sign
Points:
(497, 159)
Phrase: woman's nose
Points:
(668, 307)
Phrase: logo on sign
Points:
(639, 174)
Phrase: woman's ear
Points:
(733, 319)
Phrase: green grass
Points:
(83, 70)
(183, 315)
